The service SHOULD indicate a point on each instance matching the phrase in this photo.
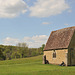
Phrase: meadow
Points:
(33, 66)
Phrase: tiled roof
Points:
(60, 38)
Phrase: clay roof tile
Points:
(60, 38)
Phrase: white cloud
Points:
(28, 0)
(69, 11)
(40, 38)
(12, 8)
(46, 23)
(27, 39)
(32, 42)
(36, 41)
(46, 8)
(66, 24)
(10, 41)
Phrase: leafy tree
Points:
(43, 45)
(19, 51)
(2, 57)
(23, 49)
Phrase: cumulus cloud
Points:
(36, 41)
(28, 0)
(32, 42)
(10, 41)
(69, 11)
(45, 23)
(46, 8)
(66, 24)
(12, 8)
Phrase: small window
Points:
(54, 54)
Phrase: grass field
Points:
(33, 66)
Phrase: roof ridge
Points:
(64, 28)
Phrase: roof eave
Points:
(55, 49)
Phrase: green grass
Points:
(33, 66)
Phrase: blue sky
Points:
(32, 21)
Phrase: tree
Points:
(2, 57)
(22, 45)
(24, 49)
(43, 45)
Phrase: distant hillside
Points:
(20, 51)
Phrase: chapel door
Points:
(44, 59)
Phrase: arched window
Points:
(54, 54)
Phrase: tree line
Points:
(21, 50)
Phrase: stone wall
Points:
(61, 55)
(71, 51)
